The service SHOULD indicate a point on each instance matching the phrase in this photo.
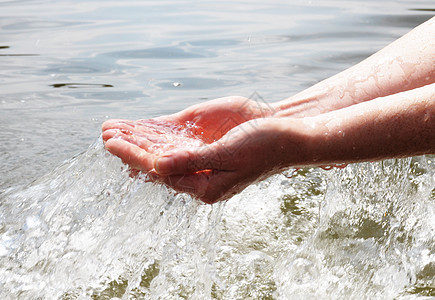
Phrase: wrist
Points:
(311, 102)
(296, 142)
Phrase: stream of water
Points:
(75, 225)
(89, 231)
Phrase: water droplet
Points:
(341, 166)
(327, 168)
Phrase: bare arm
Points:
(398, 125)
(405, 64)
(330, 123)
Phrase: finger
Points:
(113, 123)
(136, 139)
(126, 126)
(177, 117)
(134, 172)
(148, 128)
(133, 155)
(207, 186)
(110, 133)
(193, 184)
(185, 161)
(116, 130)
(150, 142)
(116, 133)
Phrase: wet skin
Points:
(383, 107)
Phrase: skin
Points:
(383, 107)
(405, 64)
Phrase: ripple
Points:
(80, 85)
(215, 42)
(19, 54)
(422, 9)
(195, 83)
(157, 53)
(400, 21)
(37, 25)
(15, 54)
(77, 68)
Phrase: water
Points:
(74, 225)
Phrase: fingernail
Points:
(165, 165)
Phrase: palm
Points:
(220, 170)
(215, 118)
(140, 143)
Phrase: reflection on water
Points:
(79, 85)
(157, 53)
(86, 230)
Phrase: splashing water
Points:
(89, 231)
(167, 135)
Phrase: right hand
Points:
(216, 171)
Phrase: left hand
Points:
(213, 172)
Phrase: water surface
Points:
(75, 226)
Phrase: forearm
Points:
(402, 125)
(405, 64)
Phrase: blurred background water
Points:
(75, 226)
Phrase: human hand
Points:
(215, 118)
(206, 123)
(211, 120)
(211, 172)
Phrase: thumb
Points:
(185, 161)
